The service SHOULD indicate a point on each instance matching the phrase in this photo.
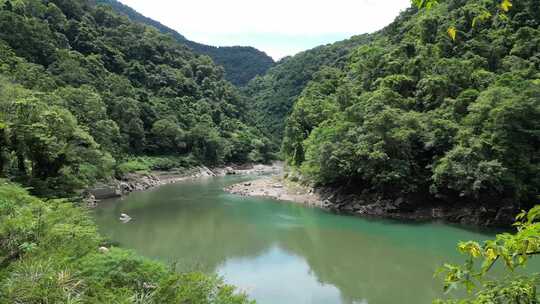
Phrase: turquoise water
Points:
(280, 252)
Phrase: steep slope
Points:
(428, 121)
(80, 84)
(241, 63)
(273, 94)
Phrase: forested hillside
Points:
(140, 18)
(241, 63)
(445, 102)
(81, 87)
(274, 94)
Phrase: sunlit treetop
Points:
(503, 8)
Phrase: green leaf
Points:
(506, 5)
(428, 4)
(452, 32)
(485, 15)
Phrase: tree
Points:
(84, 103)
(52, 152)
(497, 149)
(206, 142)
(168, 137)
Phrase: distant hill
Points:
(273, 94)
(241, 63)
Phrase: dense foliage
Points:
(50, 253)
(513, 251)
(81, 86)
(241, 63)
(140, 18)
(419, 111)
(274, 94)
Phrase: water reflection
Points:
(282, 252)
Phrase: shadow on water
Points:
(283, 252)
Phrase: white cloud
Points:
(212, 21)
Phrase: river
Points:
(280, 252)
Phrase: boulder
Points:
(90, 200)
(124, 218)
(125, 187)
(105, 191)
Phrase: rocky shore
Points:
(348, 201)
(277, 188)
(134, 182)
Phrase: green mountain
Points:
(81, 86)
(416, 112)
(241, 63)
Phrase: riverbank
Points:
(276, 187)
(350, 201)
(141, 181)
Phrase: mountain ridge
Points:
(241, 63)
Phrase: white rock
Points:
(124, 218)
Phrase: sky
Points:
(279, 27)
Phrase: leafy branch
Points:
(513, 250)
